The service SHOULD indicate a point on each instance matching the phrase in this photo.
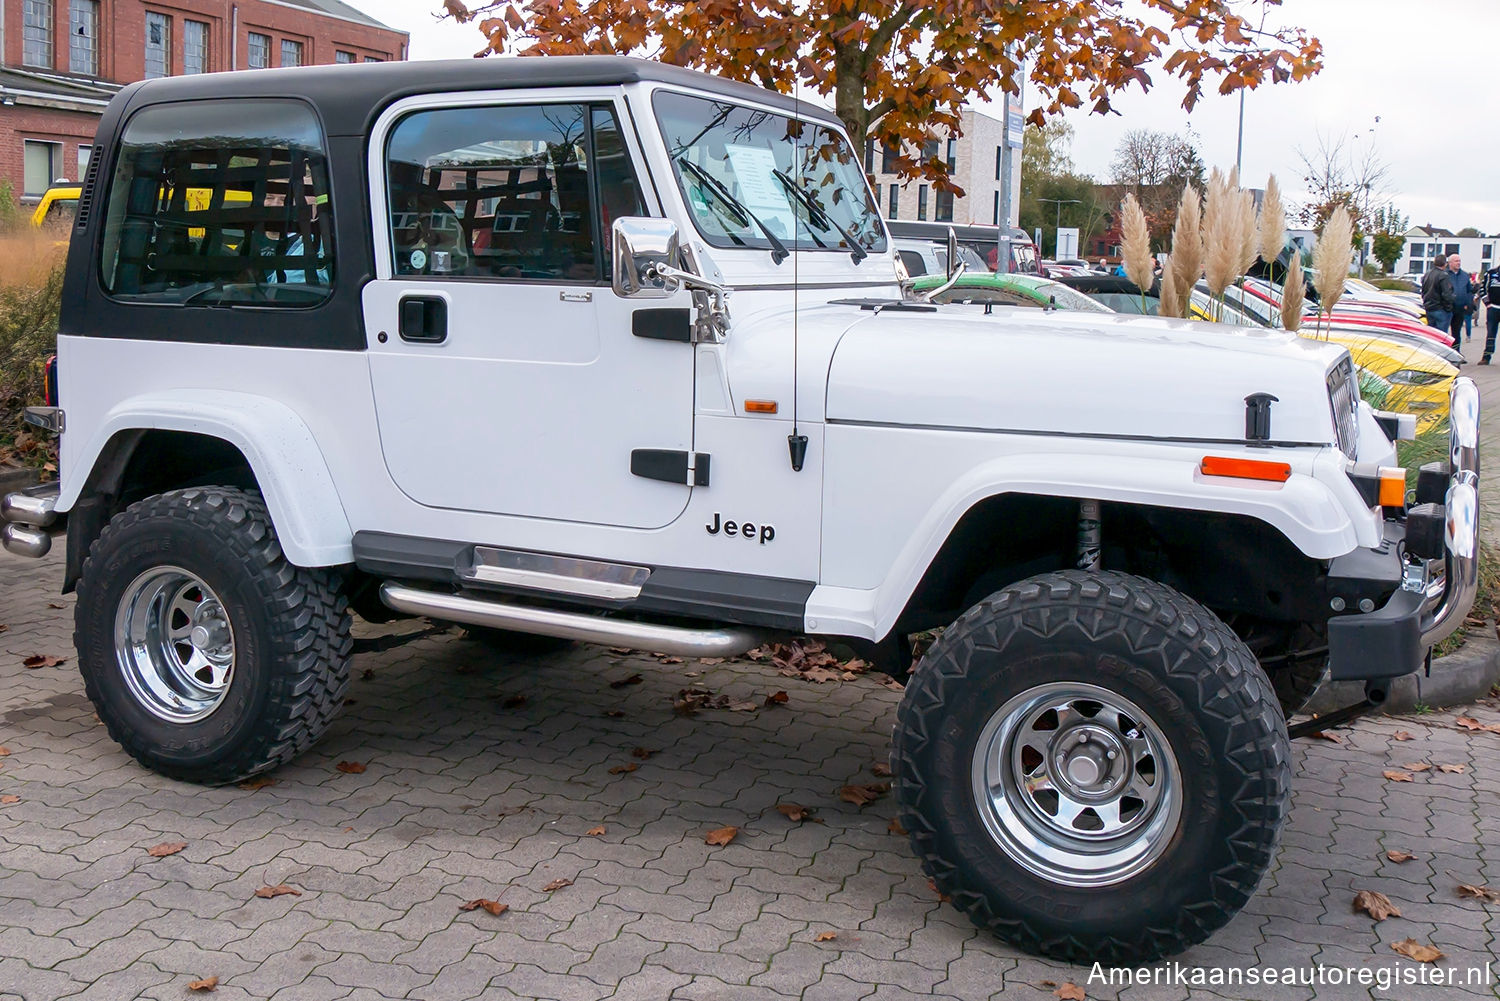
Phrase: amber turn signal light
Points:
(760, 406)
(1246, 469)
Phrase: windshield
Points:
(727, 159)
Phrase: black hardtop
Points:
(350, 96)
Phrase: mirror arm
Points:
(958, 273)
(674, 278)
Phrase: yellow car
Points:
(57, 206)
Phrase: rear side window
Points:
(220, 203)
(524, 192)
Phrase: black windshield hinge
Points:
(671, 466)
(1258, 416)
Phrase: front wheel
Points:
(1094, 767)
(207, 655)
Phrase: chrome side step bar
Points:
(677, 640)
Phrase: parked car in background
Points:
(983, 240)
(57, 206)
(923, 257)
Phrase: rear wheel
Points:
(1093, 766)
(207, 655)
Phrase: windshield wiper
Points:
(820, 215)
(743, 213)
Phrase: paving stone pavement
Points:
(469, 792)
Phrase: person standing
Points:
(1462, 323)
(1437, 294)
(1488, 292)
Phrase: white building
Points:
(1425, 243)
(974, 162)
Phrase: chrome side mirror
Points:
(644, 251)
(953, 265)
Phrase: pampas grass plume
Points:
(1135, 244)
(1187, 242)
(1221, 234)
(1331, 258)
(1171, 303)
(1293, 295)
(1272, 222)
(1249, 232)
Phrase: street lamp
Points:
(1060, 202)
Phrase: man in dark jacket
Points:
(1489, 294)
(1437, 294)
(1462, 322)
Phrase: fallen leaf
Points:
(1069, 992)
(624, 769)
(1332, 738)
(880, 770)
(662, 659)
(1477, 892)
(642, 752)
(1396, 775)
(743, 706)
(932, 884)
(892, 684)
(206, 984)
(1399, 856)
(710, 660)
(1418, 766)
(1375, 904)
(279, 890)
(621, 650)
(721, 836)
(166, 848)
(4, 752)
(792, 811)
(1412, 949)
(37, 660)
(1403, 735)
(595, 832)
(825, 936)
(1467, 722)
(634, 679)
(1048, 983)
(776, 699)
(8, 799)
(350, 767)
(493, 906)
(56, 604)
(556, 884)
(865, 794)
(259, 782)
(895, 827)
(1453, 769)
(514, 702)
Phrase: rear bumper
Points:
(1433, 596)
(30, 518)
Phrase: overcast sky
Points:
(1425, 68)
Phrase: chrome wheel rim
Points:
(1077, 784)
(174, 645)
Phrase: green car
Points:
(1010, 290)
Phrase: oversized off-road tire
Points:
(1296, 683)
(1092, 766)
(207, 655)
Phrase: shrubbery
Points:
(30, 293)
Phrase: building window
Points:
(194, 47)
(186, 224)
(43, 166)
(952, 155)
(1488, 251)
(83, 32)
(36, 33)
(895, 200)
(929, 151)
(1452, 249)
(340, 56)
(259, 52)
(999, 157)
(372, 59)
(996, 213)
(158, 45)
(291, 52)
(84, 154)
(921, 202)
(942, 210)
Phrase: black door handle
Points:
(424, 319)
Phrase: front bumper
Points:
(1433, 596)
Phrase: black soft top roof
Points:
(350, 96)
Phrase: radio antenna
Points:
(796, 442)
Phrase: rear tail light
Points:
(49, 385)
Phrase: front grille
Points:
(1343, 397)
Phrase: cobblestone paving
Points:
(469, 792)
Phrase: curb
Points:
(1457, 679)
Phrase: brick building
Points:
(62, 60)
(974, 161)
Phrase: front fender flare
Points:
(283, 454)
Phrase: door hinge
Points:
(670, 466)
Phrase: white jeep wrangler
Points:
(605, 350)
